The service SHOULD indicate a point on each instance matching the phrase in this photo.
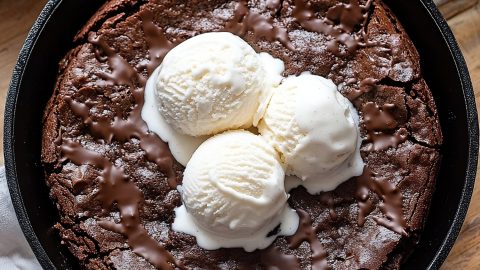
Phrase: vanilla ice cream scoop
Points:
(211, 83)
(315, 130)
(233, 191)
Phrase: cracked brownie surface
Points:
(381, 76)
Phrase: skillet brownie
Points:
(113, 181)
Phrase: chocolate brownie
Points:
(113, 181)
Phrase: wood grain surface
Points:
(17, 16)
(451, 8)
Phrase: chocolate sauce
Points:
(245, 20)
(158, 44)
(379, 121)
(351, 81)
(116, 189)
(273, 258)
(328, 200)
(124, 129)
(133, 127)
(347, 16)
(365, 86)
(365, 206)
(122, 72)
(274, 5)
(378, 118)
(390, 202)
(306, 232)
(380, 140)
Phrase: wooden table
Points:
(463, 17)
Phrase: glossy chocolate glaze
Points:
(274, 5)
(366, 85)
(273, 258)
(115, 186)
(116, 189)
(306, 232)
(378, 122)
(245, 20)
(378, 118)
(390, 205)
(158, 44)
(347, 16)
(133, 127)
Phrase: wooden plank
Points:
(17, 17)
(450, 8)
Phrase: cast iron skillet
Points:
(50, 38)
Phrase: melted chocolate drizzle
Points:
(328, 200)
(380, 140)
(158, 44)
(306, 232)
(379, 122)
(274, 5)
(114, 185)
(390, 202)
(347, 16)
(376, 118)
(366, 85)
(133, 127)
(245, 20)
(122, 72)
(115, 188)
(274, 259)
